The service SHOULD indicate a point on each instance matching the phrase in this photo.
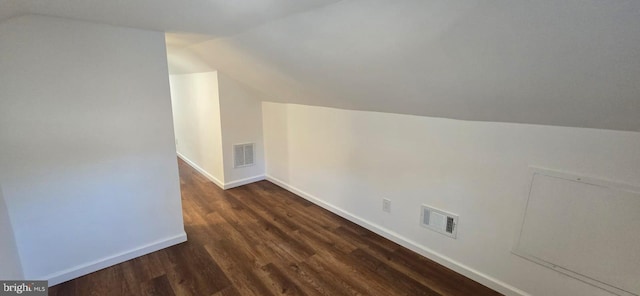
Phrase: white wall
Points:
(10, 267)
(196, 120)
(89, 169)
(212, 112)
(241, 115)
(349, 160)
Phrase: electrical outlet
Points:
(386, 205)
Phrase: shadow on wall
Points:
(11, 267)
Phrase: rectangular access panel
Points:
(586, 228)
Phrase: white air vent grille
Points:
(243, 155)
(439, 221)
(426, 216)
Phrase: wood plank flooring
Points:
(260, 239)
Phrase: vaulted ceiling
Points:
(210, 17)
(553, 62)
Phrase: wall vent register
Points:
(439, 221)
(243, 155)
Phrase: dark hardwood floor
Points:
(260, 239)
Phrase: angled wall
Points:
(10, 267)
(347, 161)
(241, 116)
(196, 119)
(89, 174)
(212, 112)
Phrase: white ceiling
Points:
(552, 62)
(211, 17)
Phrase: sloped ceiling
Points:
(552, 62)
(211, 17)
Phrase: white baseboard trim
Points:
(87, 268)
(458, 267)
(215, 180)
(244, 181)
(202, 171)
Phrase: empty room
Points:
(320, 147)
